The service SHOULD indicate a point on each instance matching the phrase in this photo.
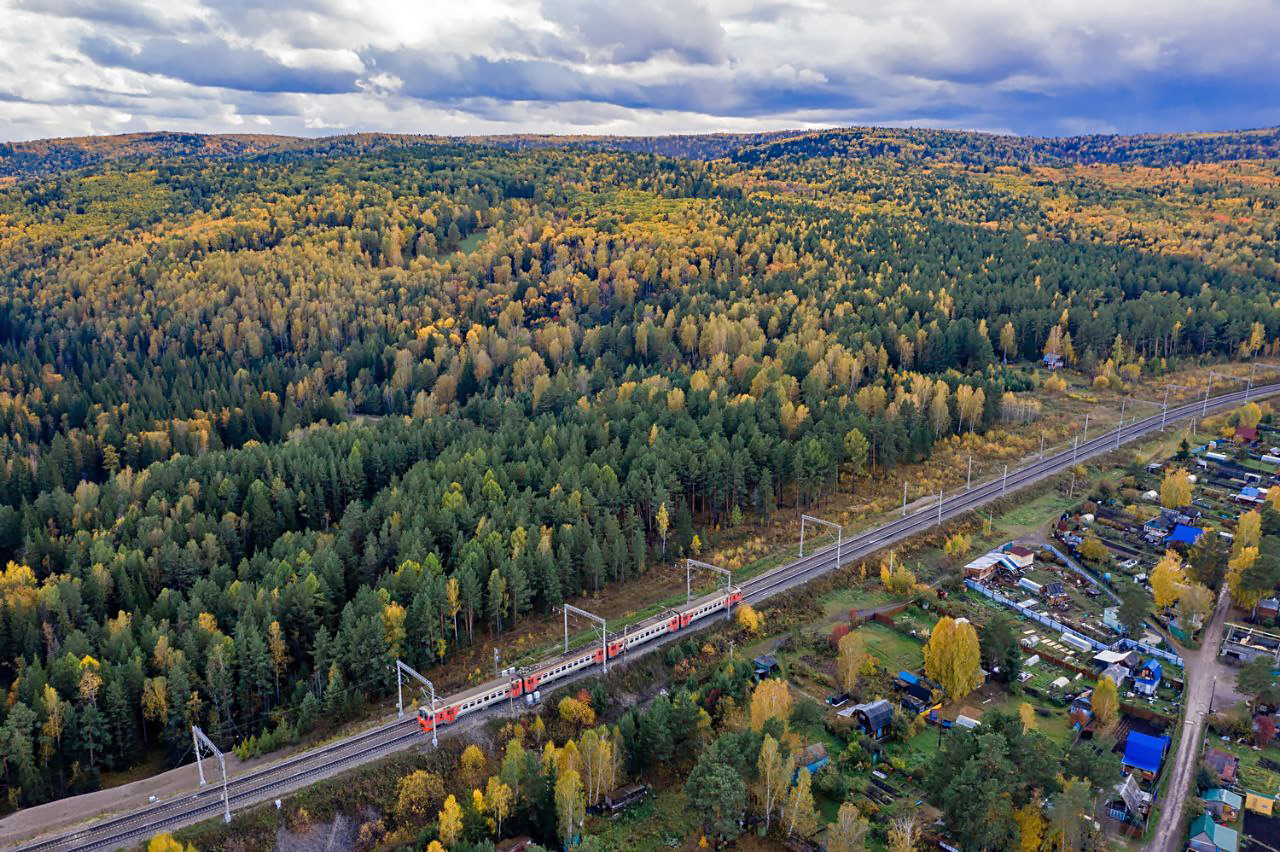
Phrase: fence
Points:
(1123, 643)
(1128, 644)
(1051, 623)
(1079, 569)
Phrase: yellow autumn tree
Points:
(1248, 530)
(1106, 702)
(1240, 562)
(571, 807)
(498, 799)
(576, 712)
(1175, 489)
(1030, 827)
(472, 765)
(1167, 579)
(851, 654)
(416, 796)
(750, 619)
(771, 699)
(849, 832)
(774, 773)
(450, 821)
(800, 814)
(1027, 713)
(167, 843)
(952, 657)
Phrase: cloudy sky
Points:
(314, 67)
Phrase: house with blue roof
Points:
(1144, 754)
(1185, 534)
(1251, 494)
(1147, 680)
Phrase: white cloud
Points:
(623, 66)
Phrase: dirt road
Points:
(1201, 667)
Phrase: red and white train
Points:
(479, 697)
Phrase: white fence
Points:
(1124, 643)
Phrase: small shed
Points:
(1053, 361)
(766, 665)
(1246, 434)
(1143, 754)
(1055, 591)
(1128, 659)
(1021, 556)
(616, 800)
(1223, 804)
(1118, 674)
(1208, 836)
(513, 844)
(1259, 803)
(1131, 802)
(812, 757)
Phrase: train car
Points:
(702, 607)
(479, 697)
(562, 666)
(468, 701)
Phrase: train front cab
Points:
(427, 721)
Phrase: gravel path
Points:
(1201, 668)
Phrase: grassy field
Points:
(1252, 775)
(840, 601)
(661, 822)
(892, 649)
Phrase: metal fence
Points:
(1045, 620)
(1124, 643)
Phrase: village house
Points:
(1224, 764)
(916, 694)
(1208, 836)
(812, 757)
(1144, 754)
(1147, 680)
(1223, 804)
(623, 797)
(1023, 557)
(872, 718)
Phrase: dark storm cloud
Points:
(213, 62)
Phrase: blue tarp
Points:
(1250, 491)
(908, 677)
(1183, 534)
(1143, 751)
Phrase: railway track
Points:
(325, 761)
